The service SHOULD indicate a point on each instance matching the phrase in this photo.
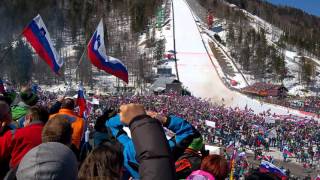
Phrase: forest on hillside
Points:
(249, 46)
(301, 29)
(71, 24)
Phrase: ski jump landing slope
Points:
(197, 72)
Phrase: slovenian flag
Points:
(81, 102)
(38, 36)
(267, 167)
(98, 56)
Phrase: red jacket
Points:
(17, 146)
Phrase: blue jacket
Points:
(179, 126)
(130, 162)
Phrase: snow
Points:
(290, 54)
(199, 74)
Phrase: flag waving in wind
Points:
(98, 56)
(267, 167)
(38, 36)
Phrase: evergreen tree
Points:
(20, 64)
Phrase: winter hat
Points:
(28, 97)
(196, 144)
(200, 175)
(50, 160)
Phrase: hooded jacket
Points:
(52, 161)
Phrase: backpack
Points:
(187, 163)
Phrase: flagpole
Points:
(174, 43)
(79, 63)
(77, 68)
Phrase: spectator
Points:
(57, 129)
(28, 99)
(17, 143)
(54, 108)
(102, 132)
(8, 97)
(184, 134)
(51, 160)
(199, 175)
(150, 142)
(104, 162)
(77, 123)
(216, 165)
(131, 165)
(5, 118)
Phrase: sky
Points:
(310, 6)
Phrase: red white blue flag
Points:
(38, 36)
(81, 102)
(267, 167)
(98, 56)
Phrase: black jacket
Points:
(152, 149)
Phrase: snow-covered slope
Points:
(198, 73)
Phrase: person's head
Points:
(5, 112)
(48, 161)
(104, 162)
(216, 165)
(8, 97)
(57, 129)
(28, 97)
(36, 113)
(68, 103)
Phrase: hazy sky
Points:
(310, 6)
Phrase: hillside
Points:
(71, 24)
(257, 48)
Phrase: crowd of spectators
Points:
(309, 104)
(49, 140)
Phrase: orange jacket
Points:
(77, 125)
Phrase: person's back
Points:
(51, 160)
(77, 123)
(16, 143)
